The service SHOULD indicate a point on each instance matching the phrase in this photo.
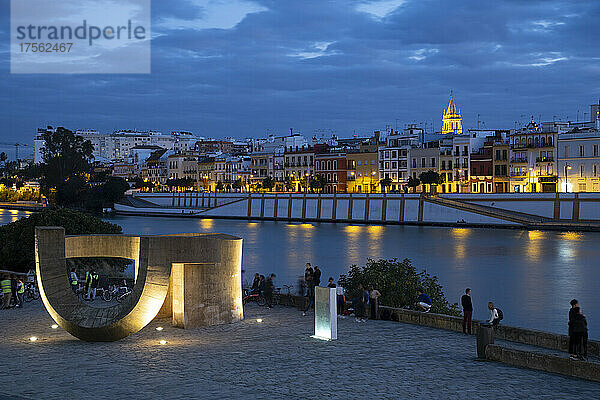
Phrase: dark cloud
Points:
(322, 64)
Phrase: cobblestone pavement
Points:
(273, 359)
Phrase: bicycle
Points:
(31, 293)
(277, 293)
(119, 293)
(255, 297)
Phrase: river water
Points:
(530, 275)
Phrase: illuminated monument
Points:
(452, 120)
(193, 278)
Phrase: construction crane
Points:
(16, 146)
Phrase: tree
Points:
(237, 185)
(430, 178)
(289, 184)
(397, 281)
(64, 155)
(413, 183)
(3, 157)
(108, 193)
(385, 183)
(72, 192)
(317, 182)
(268, 183)
(17, 241)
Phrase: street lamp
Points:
(306, 179)
(529, 176)
(567, 168)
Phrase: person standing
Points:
(13, 290)
(331, 284)
(94, 278)
(579, 330)
(467, 306)
(374, 301)
(316, 277)
(572, 350)
(341, 300)
(20, 292)
(74, 280)
(269, 288)
(6, 291)
(308, 279)
(88, 281)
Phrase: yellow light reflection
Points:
(460, 233)
(353, 229)
(574, 236)
(535, 244)
(207, 224)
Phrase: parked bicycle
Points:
(119, 293)
(277, 293)
(31, 293)
(258, 298)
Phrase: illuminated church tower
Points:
(452, 121)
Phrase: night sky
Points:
(242, 68)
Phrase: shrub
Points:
(397, 281)
(17, 239)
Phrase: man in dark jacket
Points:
(467, 307)
(572, 351)
(269, 288)
(579, 330)
(317, 276)
(309, 280)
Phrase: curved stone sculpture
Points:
(201, 273)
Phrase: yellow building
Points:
(452, 120)
(363, 172)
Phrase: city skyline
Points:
(254, 67)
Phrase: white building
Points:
(118, 145)
(579, 161)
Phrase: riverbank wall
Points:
(571, 211)
(494, 352)
(23, 206)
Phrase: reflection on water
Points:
(532, 275)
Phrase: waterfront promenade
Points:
(273, 359)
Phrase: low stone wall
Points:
(543, 362)
(504, 332)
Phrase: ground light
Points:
(159, 328)
(33, 338)
(54, 326)
(259, 320)
(163, 342)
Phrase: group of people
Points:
(91, 283)
(264, 286)
(366, 297)
(578, 331)
(13, 287)
(496, 314)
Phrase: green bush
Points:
(397, 281)
(17, 239)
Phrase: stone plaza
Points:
(275, 358)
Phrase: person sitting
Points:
(255, 283)
(423, 301)
(494, 315)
